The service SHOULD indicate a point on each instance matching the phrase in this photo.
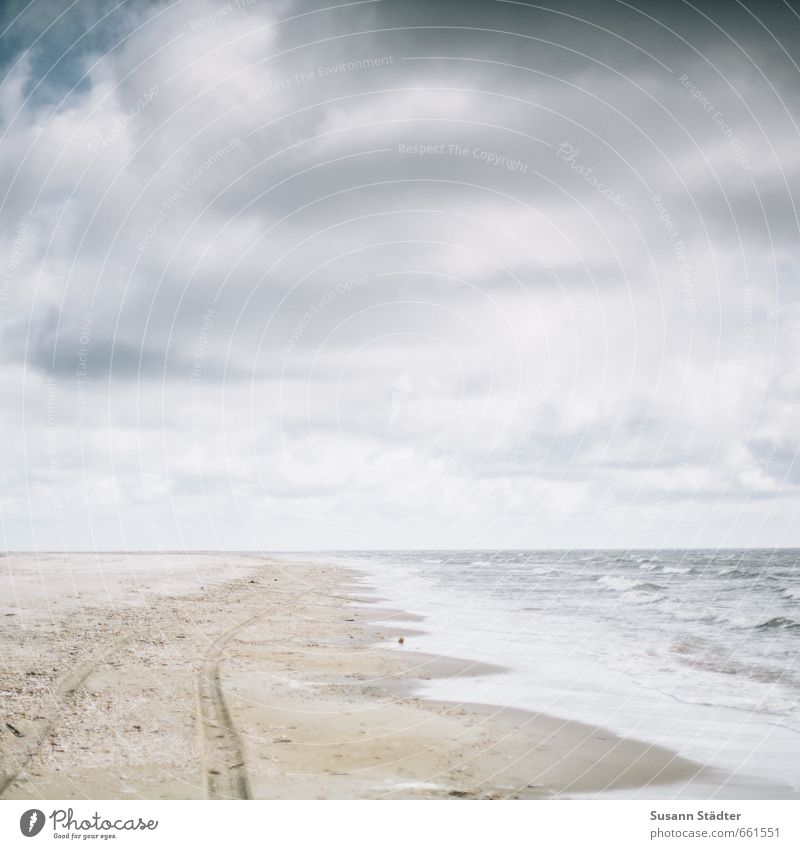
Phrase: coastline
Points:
(241, 676)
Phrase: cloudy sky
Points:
(389, 274)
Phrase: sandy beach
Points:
(239, 676)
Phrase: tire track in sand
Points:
(224, 767)
(64, 687)
(224, 761)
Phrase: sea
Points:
(696, 650)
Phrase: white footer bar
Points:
(404, 825)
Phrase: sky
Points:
(399, 274)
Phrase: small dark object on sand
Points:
(15, 731)
(401, 640)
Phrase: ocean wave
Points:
(792, 593)
(737, 619)
(640, 597)
(741, 620)
(626, 585)
(779, 622)
(687, 612)
(615, 583)
(481, 563)
(726, 666)
(735, 572)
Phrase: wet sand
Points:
(164, 676)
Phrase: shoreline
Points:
(278, 682)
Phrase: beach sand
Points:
(163, 676)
